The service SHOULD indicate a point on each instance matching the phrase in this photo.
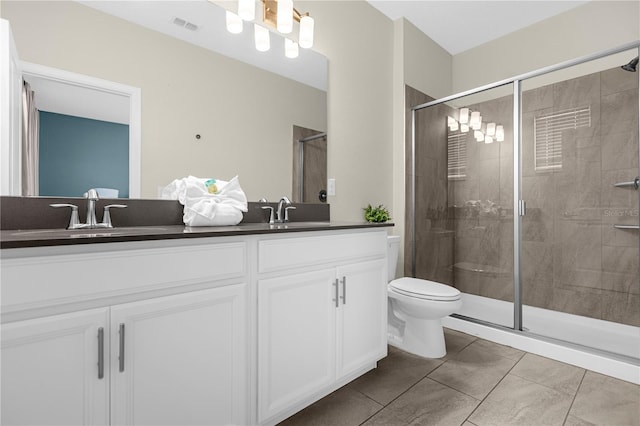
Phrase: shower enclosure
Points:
(523, 194)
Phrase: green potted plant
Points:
(378, 214)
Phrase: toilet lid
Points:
(424, 289)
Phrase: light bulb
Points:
(247, 9)
(290, 48)
(262, 38)
(491, 129)
(285, 16)
(500, 133)
(464, 115)
(234, 23)
(475, 120)
(306, 32)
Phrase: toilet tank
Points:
(393, 243)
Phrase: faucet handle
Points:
(271, 219)
(74, 222)
(106, 217)
(91, 194)
(286, 212)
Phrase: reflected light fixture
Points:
(472, 120)
(262, 38)
(464, 115)
(475, 120)
(234, 23)
(290, 48)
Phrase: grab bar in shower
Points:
(634, 183)
(626, 226)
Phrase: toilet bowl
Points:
(416, 309)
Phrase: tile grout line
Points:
(402, 393)
(573, 400)
(494, 387)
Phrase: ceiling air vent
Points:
(185, 24)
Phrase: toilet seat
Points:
(423, 289)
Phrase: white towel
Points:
(223, 207)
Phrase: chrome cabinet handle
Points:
(100, 353)
(344, 290)
(121, 354)
(335, 283)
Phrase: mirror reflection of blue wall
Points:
(77, 154)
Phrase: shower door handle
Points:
(634, 183)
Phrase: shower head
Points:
(631, 66)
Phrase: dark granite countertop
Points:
(16, 238)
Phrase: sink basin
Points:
(87, 233)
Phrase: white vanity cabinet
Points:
(159, 360)
(50, 370)
(321, 317)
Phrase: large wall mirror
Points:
(209, 104)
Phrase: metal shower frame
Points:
(518, 202)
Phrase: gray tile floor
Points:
(478, 383)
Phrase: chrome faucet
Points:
(284, 205)
(91, 196)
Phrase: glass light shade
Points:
(290, 48)
(491, 129)
(478, 135)
(234, 23)
(262, 38)
(475, 120)
(464, 115)
(247, 9)
(464, 128)
(453, 126)
(285, 16)
(488, 139)
(306, 32)
(500, 133)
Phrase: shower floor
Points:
(603, 346)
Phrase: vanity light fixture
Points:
(491, 129)
(247, 9)
(279, 14)
(464, 128)
(500, 133)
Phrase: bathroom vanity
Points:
(239, 325)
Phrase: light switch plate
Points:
(331, 187)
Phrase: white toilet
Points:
(416, 309)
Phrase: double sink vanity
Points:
(164, 324)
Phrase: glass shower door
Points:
(464, 200)
(580, 273)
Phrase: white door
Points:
(362, 317)
(51, 373)
(10, 113)
(181, 360)
(296, 339)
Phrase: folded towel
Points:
(208, 202)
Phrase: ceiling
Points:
(462, 25)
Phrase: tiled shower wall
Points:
(573, 259)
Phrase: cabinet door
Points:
(181, 360)
(50, 370)
(362, 317)
(296, 339)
